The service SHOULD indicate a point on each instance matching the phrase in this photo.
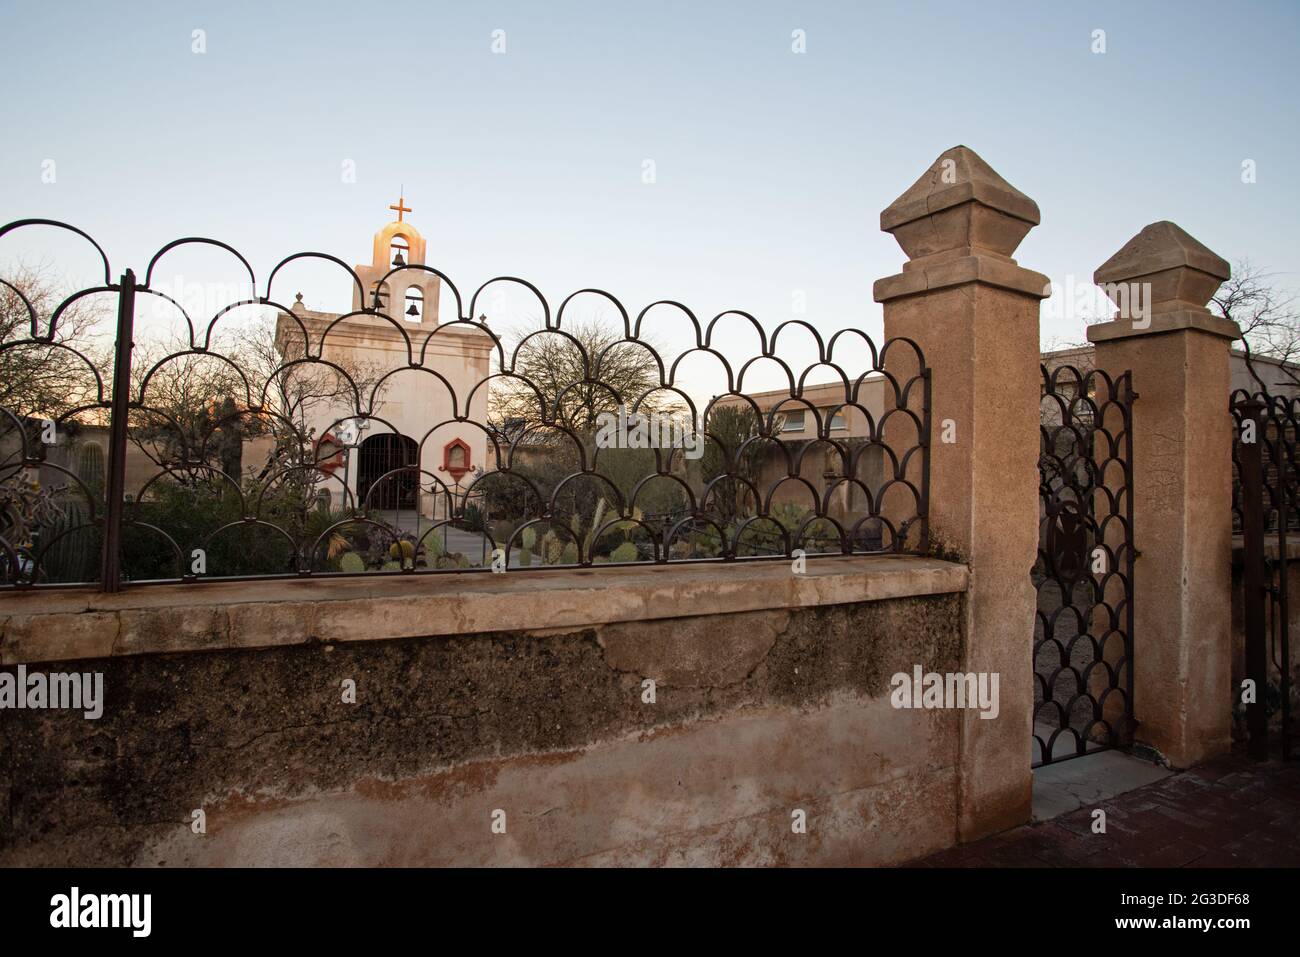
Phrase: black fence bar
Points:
(1130, 620)
(1281, 604)
(1252, 530)
(924, 508)
(115, 485)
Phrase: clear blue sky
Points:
(772, 167)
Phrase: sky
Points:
(770, 166)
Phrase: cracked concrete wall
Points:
(756, 715)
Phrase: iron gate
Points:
(1266, 514)
(1083, 629)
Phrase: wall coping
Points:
(82, 623)
(1160, 323)
(929, 275)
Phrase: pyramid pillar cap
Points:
(960, 207)
(1159, 282)
(1180, 269)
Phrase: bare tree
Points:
(198, 406)
(572, 389)
(46, 379)
(294, 390)
(189, 407)
(1266, 314)
(578, 380)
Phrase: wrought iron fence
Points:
(1279, 417)
(1083, 636)
(1266, 511)
(122, 481)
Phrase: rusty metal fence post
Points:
(1254, 590)
(115, 485)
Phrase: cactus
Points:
(596, 518)
(528, 540)
(627, 552)
(90, 467)
(402, 552)
(434, 544)
(71, 557)
(553, 549)
(351, 562)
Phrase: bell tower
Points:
(409, 295)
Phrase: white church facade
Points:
(418, 417)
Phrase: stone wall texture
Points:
(757, 715)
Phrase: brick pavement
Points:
(1232, 812)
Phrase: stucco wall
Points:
(757, 714)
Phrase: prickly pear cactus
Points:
(624, 553)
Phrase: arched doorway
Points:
(378, 456)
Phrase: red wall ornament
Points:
(329, 454)
(456, 458)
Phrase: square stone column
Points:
(974, 313)
(1178, 353)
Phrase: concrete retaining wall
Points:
(757, 714)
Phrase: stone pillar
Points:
(974, 312)
(1178, 353)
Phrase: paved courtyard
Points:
(1232, 812)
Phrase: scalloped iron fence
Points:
(1266, 514)
(207, 460)
(1083, 635)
